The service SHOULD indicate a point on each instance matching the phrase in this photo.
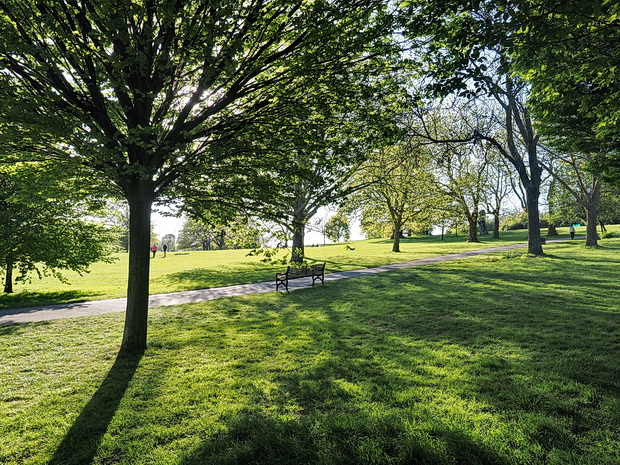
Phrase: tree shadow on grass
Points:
(312, 415)
(254, 437)
(35, 299)
(204, 278)
(79, 446)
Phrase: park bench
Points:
(315, 272)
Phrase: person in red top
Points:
(154, 250)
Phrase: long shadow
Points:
(208, 277)
(330, 421)
(80, 444)
(34, 299)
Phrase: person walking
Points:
(165, 249)
(571, 230)
(154, 250)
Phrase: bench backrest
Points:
(318, 268)
(293, 272)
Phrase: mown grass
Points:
(198, 270)
(502, 359)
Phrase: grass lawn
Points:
(198, 270)
(502, 359)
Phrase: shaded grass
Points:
(501, 359)
(199, 270)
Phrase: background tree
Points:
(338, 227)
(461, 176)
(463, 51)
(116, 215)
(585, 187)
(170, 241)
(459, 165)
(398, 193)
(499, 187)
(150, 91)
(42, 227)
(194, 236)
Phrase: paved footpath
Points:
(98, 307)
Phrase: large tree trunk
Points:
(534, 242)
(552, 230)
(8, 281)
(472, 221)
(136, 316)
(592, 216)
(297, 255)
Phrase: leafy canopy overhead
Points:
(153, 87)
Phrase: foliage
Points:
(153, 95)
(463, 49)
(43, 227)
(323, 148)
(397, 193)
(514, 220)
(205, 234)
(116, 216)
(565, 51)
(338, 227)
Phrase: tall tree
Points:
(153, 89)
(460, 166)
(399, 190)
(584, 186)
(321, 153)
(567, 51)
(464, 49)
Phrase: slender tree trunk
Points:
(592, 216)
(534, 243)
(496, 223)
(8, 281)
(136, 316)
(396, 243)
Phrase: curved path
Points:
(97, 307)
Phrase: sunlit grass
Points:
(503, 359)
(181, 271)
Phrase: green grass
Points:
(502, 359)
(199, 270)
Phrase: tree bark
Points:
(8, 281)
(472, 236)
(396, 243)
(534, 243)
(496, 224)
(297, 255)
(592, 216)
(136, 315)
(552, 231)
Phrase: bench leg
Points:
(281, 282)
(285, 282)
